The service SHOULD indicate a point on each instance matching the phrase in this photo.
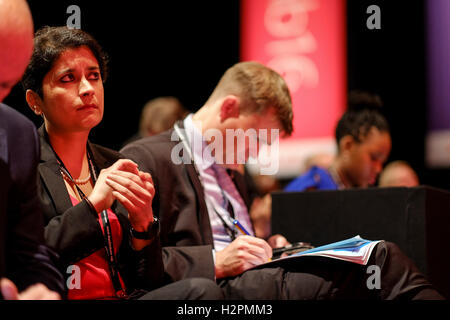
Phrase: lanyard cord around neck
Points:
(230, 231)
(107, 231)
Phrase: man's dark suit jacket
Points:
(74, 231)
(180, 202)
(23, 256)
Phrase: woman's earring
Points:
(35, 111)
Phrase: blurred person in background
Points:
(158, 115)
(398, 174)
(364, 143)
(261, 208)
(321, 160)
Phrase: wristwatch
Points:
(152, 231)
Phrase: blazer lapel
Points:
(100, 160)
(51, 175)
(3, 145)
(202, 212)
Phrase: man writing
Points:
(199, 200)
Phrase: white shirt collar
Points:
(202, 158)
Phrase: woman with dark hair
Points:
(364, 144)
(106, 254)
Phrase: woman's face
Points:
(73, 92)
(365, 160)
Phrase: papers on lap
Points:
(355, 250)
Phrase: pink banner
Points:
(305, 41)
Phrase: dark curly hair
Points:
(49, 44)
(363, 114)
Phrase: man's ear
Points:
(34, 102)
(229, 108)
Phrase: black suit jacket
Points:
(24, 258)
(179, 201)
(74, 231)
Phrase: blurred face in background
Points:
(398, 174)
(363, 161)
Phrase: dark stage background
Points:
(181, 48)
(156, 48)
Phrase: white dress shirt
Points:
(217, 184)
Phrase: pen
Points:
(239, 226)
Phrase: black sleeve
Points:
(74, 234)
(141, 269)
(189, 262)
(180, 262)
(29, 260)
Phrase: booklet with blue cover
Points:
(355, 250)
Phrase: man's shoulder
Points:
(157, 142)
(19, 143)
(13, 120)
(159, 155)
(152, 151)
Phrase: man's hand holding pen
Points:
(245, 252)
(240, 255)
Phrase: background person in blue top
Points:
(364, 144)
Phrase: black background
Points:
(181, 48)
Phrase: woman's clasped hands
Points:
(123, 181)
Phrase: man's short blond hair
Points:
(259, 89)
